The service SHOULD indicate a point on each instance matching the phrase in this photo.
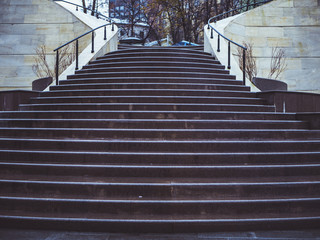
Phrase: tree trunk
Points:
(84, 6)
(93, 7)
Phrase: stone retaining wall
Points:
(25, 25)
(293, 25)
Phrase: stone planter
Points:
(265, 84)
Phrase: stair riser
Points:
(116, 59)
(152, 74)
(145, 80)
(159, 146)
(155, 63)
(135, 158)
(146, 115)
(148, 92)
(196, 210)
(150, 86)
(142, 55)
(157, 191)
(161, 50)
(165, 124)
(150, 99)
(151, 134)
(165, 69)
(106, 171)
(165, 226)
(151, 107)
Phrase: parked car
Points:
(132, 41)
(185, 43)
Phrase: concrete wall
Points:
(293, 25)
(25, 25)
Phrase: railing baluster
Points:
(77, 55)
(229, 55)
(105, 33)
(211, 34)
(244, 66)
(218, 50)
(112, 29)
(92, 39)
(57, 68)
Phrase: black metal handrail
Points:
(98, 14)
(77, 47)
(227, 14)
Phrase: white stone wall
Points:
(293, 25)
(25, 25)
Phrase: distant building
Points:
(129, 18)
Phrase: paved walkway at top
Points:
(13, 234)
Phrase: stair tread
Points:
(150, 219)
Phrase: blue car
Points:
(185, 43)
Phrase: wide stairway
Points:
(156, 140)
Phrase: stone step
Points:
(163, 158)
(174, 54)
(148, 92)
(148, 107)
(169, 115)
(152, 80)
(128, 74)
(173, 58)
(151, 86)
(162, 225)
(154, 68)
(158, 173)
(157, 63)
(253, 126)
(162, 190)
(160, 50)
(196, 209)
(158, 134)
(148, 99)
(170, 48)
(118, 145)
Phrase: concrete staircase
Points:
(156, 140)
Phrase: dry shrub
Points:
(278, 63)
(251, 65)
(42, 68)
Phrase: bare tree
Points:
(129, 10)
(153, 15)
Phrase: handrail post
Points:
(77, 55)
(211, 34)
(112, 29)
(218, 50)
(105, 33)
(92, 39)
(57, 68)
(229, 56)
(244, 66)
